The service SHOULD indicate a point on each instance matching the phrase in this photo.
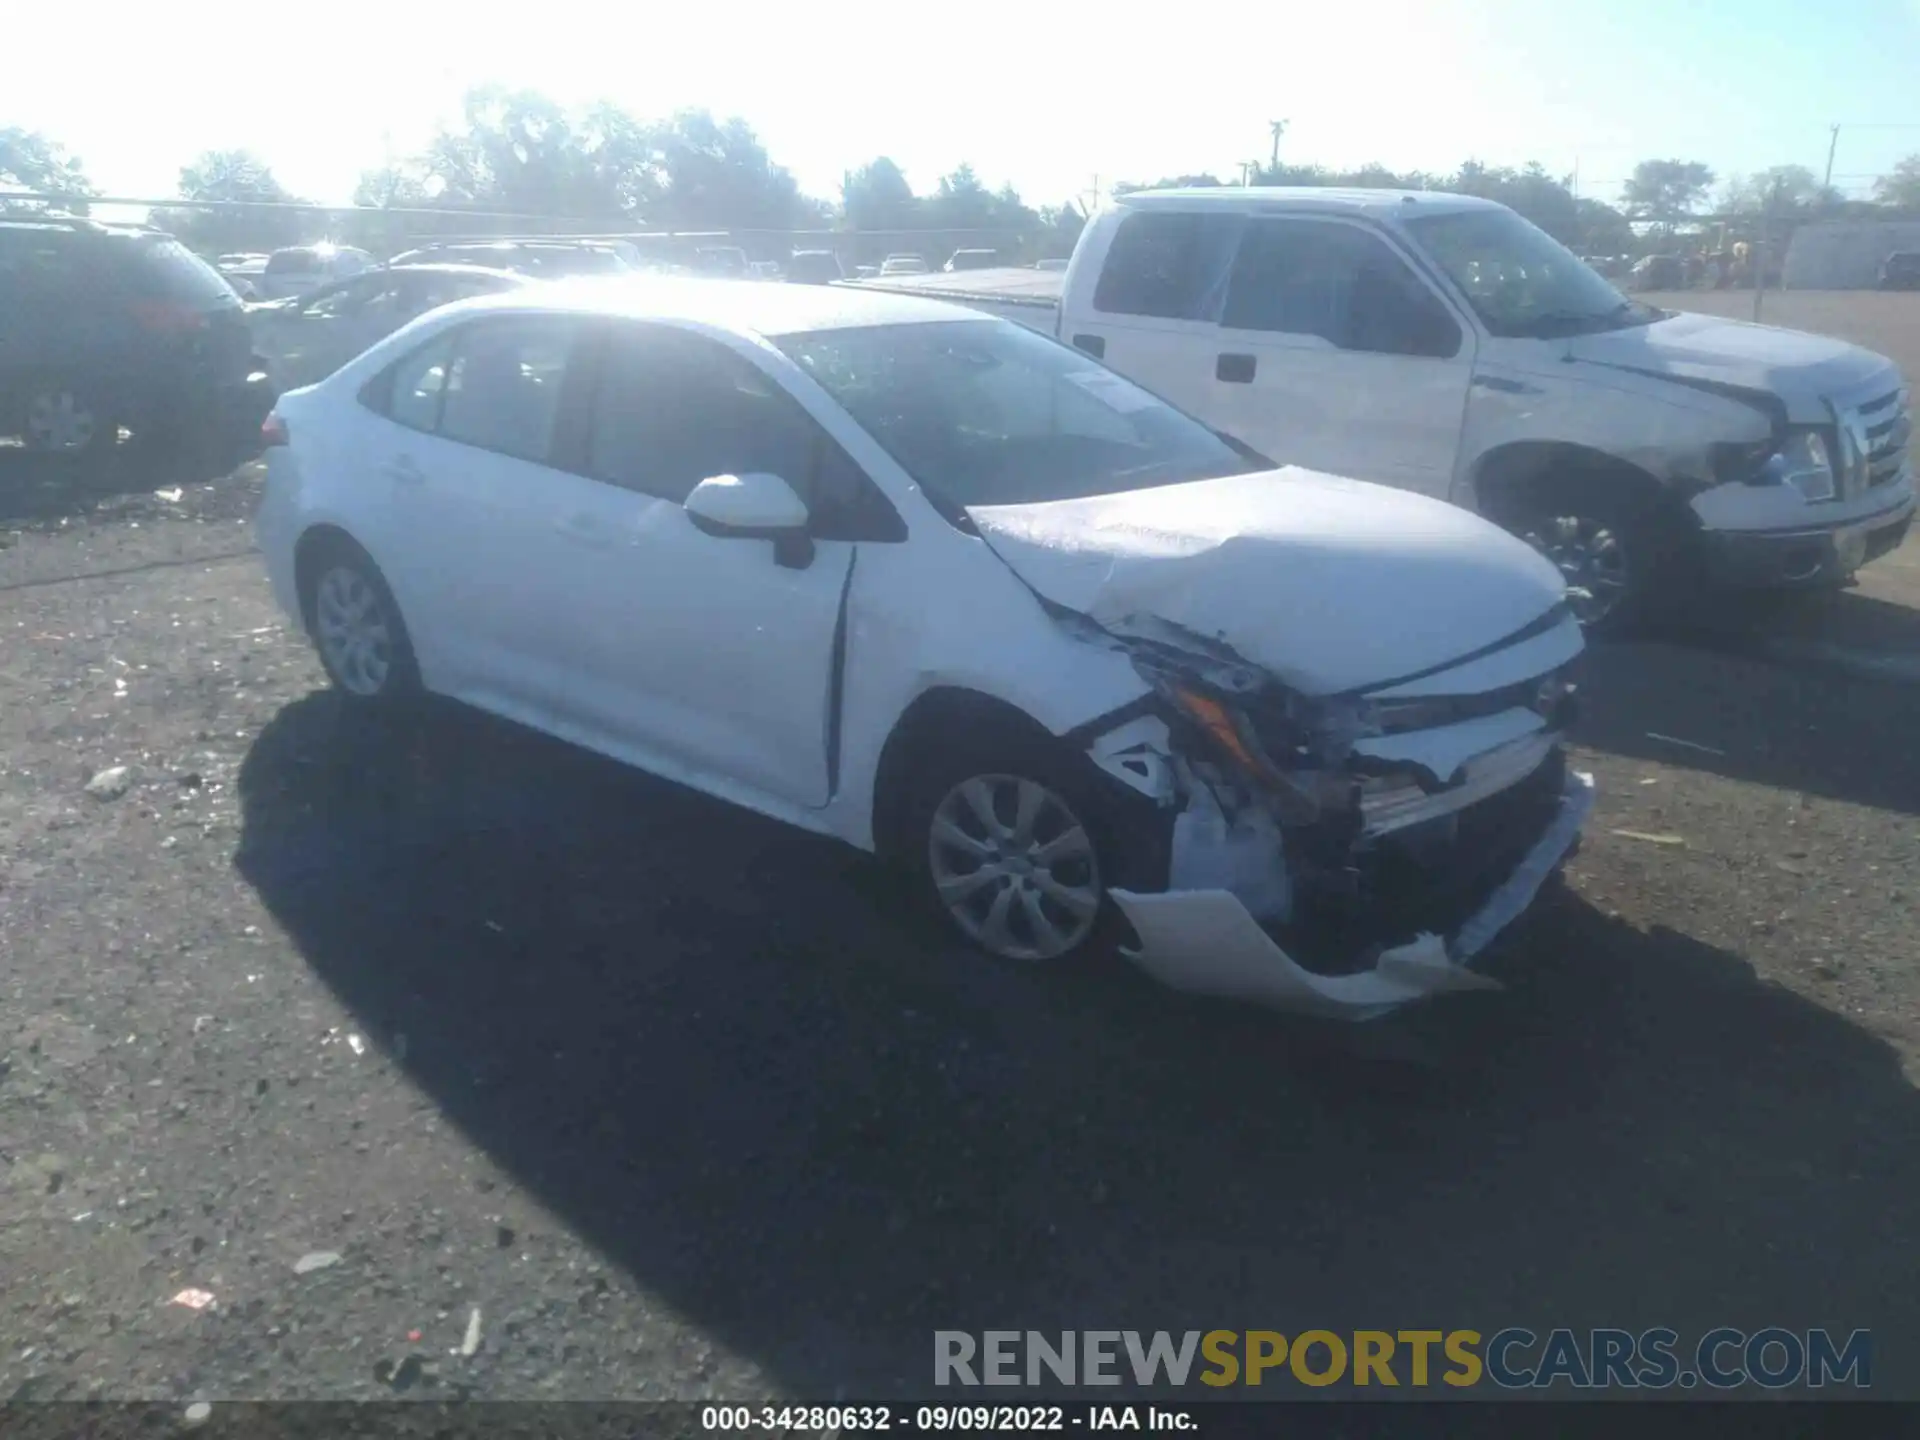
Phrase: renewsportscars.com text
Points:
(1512, 1358)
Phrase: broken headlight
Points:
(1804, 461)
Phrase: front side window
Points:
(672, 410)
(1167, 265)
(1336, 282)
(1519, 280)
(983, 412)
(348, 299)
(503, 386)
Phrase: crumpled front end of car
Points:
(1344, 855)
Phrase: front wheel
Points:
(1016, 844)
(1614, 552)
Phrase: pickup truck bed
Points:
(1028, 297)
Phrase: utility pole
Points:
(1833, 144)
(1278, 127)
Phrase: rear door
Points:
(1333, 354)
(470, 501)
(1155, 301)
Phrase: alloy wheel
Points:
(1014, 866)
(354, 631)
(59, 421)
(1590, 555)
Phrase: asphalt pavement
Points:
(345, 1061)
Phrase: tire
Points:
(356, 626)
(1044, 900)
(1615, 548)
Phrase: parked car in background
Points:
(300, 268)
(1658, 272)
(1901, 271)
(727, 261)
(1442, 344)
(814, 267)
(116, 336)
(904, 263)
(973, 260)
(1306, 735)
(542, 259)
(311, 336)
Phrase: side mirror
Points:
(755, 506)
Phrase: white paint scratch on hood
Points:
(1329, 584)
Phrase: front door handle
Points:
(1234, 369)
(403, 470)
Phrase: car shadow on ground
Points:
(730, 1058)
(1795, 728)
(38, 490)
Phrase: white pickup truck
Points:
(1442, 344)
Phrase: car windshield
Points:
(983, 412)
(1520, 280)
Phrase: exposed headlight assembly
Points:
(1804, 461)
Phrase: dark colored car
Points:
(117, 337)
(814, 267)
(1659, 272)
(1901, 271)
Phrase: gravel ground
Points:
(364, 1033)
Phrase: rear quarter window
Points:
(1168, 265)
(167, 270)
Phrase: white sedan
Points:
(943, 588)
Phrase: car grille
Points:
(1887, 423)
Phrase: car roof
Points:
(1252, 198)
(744, 307)
(454, 268)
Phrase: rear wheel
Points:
(356, 625)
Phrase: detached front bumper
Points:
(1792, 558)
(1206, 941)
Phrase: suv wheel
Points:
(60, 419)
(1615, 552)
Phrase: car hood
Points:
(1804, 370)
(1328, 584)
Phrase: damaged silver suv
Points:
(951, 591)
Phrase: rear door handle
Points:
(1234, 369)
(1094, 345)
(403, 470)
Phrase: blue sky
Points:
(1047, 95)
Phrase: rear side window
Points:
(1169, 266)
(1337, 282)
(503, 388)
(293, 262)
(419, 382)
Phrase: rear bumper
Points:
(1792, 558)
(1207, 942)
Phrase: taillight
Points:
(273, 431)
(168, 317)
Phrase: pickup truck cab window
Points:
(1339, 282)
(1167, 266)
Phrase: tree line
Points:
(518, 155)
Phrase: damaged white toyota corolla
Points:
(948, 590)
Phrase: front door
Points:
(1333, 354)
(697, 650)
